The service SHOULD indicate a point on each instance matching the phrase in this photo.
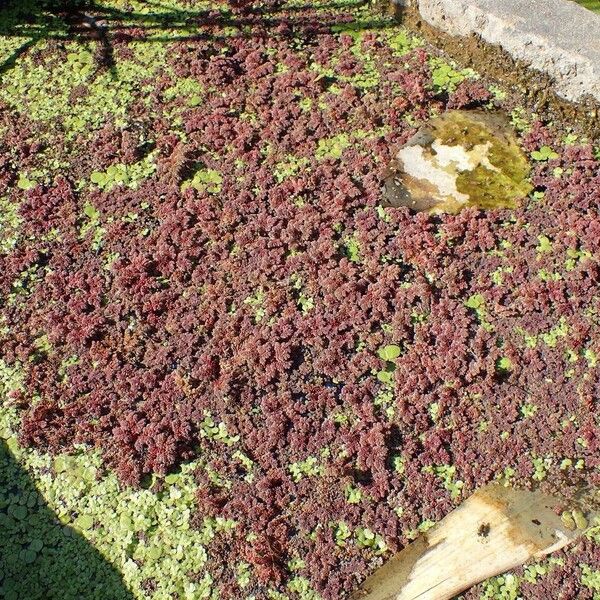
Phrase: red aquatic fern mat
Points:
(347, 373)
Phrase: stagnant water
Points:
(267, 380)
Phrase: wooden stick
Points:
(494, 530)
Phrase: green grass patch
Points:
(591, 4)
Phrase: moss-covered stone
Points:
(460, 159)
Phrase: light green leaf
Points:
(97, 177)
(389, 352)
(84, 522)
(385, 376)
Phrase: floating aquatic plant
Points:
(256, 347)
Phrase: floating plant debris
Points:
(459, 159)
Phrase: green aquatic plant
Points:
(42, 90)
(447, 474)
(207, 180)
(544, 244)
(291, 166)
(531, 573)
(528, 410)
(186, 88)
(543, 154)
(446, 76)
(389, 352)
(341, 533)
(399, 464)
(302, 587)
(503, 587)
(24, 183)
(504, 366)
(352, 248)
(10, 223)
(385, 397)
(101, 524)
(256, 302)
(92, 223)
(127, 175)
(477, 303)
(310, 467)
(216, 431)
(366, 538)
(353, 494)
(40, 557)
(402, 42)
(540, 467)
(333, 147)
(590, 578)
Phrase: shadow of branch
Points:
(85, 20)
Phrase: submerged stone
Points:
(459, 159)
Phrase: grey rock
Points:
(557, 37)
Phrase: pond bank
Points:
(542, 51)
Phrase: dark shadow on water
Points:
(41, 559)
(84, 20)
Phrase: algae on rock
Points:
(459, 159)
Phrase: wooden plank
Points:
(495, 530)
